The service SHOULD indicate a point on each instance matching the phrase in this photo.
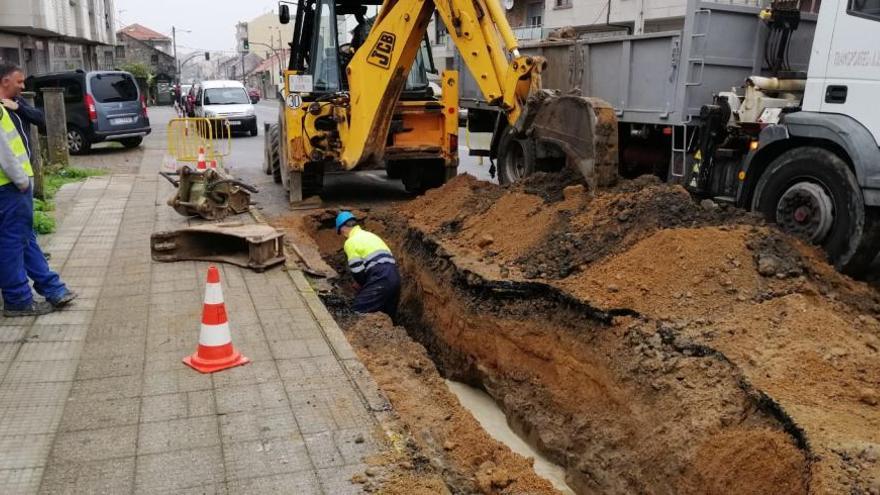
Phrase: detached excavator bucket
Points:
(584, 129)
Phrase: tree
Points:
(138, 70)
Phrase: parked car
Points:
(100, 106)
(226, 100)
(255, 95)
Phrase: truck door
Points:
(852, 81)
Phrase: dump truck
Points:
(356, 95)
(772, 109)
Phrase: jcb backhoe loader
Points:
(363, 101)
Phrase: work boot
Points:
(64, 300)
(36, 308)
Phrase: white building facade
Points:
(57, 35)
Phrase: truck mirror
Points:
(283, 14)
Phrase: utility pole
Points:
(176, 61)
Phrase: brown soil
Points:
(646, 343)
(746, 363)
(444, 435)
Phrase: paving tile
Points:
(299, 483)
(12, 333)
(112, 387)
(111, 366)
(337, 480)
(94, 445)
(265, 457)
(289, 349)
(110, 476)
(86, 413)
(20, 417)
(24, 451)
(163, 407)
(174, 381)
(178, 434)
(24, 481)
(57, 333)
(256, 372)
(30, 394)
(249, 397)
(40, 372)
(172, 471)
(259, 425)
(322, 450)
(49, 351)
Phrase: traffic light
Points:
(245, 45)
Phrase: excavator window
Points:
(327, 34)
(325, 53)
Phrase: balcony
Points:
(527, 32)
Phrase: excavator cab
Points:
(421, 143)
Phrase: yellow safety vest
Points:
(365, 250)
(16, 143)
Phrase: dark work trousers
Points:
(20, 255)
(381, 292)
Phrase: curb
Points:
(357, 374)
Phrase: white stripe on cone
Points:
(215, 335)
(213, 294)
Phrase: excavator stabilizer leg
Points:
(584, 129)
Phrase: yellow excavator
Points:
(357, 96)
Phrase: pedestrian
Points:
(373, 267)
(20, 255)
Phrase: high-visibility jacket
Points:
(364, 251)
(7, 127)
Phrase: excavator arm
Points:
(583, 130)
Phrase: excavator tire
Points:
(584, 129)
(273, 147)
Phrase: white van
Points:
(227, 100)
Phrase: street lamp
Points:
(174, 41)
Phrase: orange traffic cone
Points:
(201, 165)
(215, 351)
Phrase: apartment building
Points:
(55, 35)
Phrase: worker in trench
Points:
(373, 267)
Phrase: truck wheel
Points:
(811, 192)
(273, 144)
(516, 159)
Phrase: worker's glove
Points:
(6, 102)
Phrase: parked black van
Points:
(100, 106)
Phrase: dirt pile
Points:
(444, 439)
(744, 362)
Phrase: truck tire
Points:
(516, 159)
(301, 185)
(812, 193)
(273, 147)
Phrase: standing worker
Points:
(20, 254)
(373, 267)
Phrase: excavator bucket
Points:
(584, 129)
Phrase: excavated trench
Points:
(624, 397)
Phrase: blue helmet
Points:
(343, 217)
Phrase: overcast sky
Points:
(211, 22)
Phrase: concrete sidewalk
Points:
(95, 399)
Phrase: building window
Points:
(154, 59)
(535, 14)
(562, 4)
(120, 51)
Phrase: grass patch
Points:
(53, 179)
